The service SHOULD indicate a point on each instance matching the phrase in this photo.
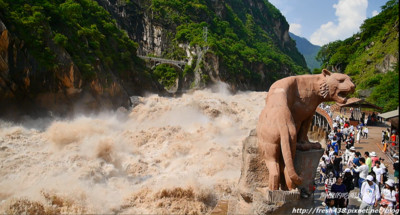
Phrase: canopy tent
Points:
(392, 117)
(357, 104)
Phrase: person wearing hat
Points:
(389, 193)
(369, 195)
(350, 155)
(396, 167)
(374, 158)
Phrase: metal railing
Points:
(163, 60)
(392, 148)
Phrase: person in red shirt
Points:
(393, 139)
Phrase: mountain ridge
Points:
(308, 50)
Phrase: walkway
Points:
(372, 143)
(163, 60)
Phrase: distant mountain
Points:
(308, 49)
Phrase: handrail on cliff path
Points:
(163, 60)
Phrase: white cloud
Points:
(350, 15)
(374, 13)
(295, 28)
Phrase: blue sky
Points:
(324, 21)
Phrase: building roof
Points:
(357, 102)
(390, 114)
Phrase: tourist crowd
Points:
(342, 169)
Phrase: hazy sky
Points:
(324, 21)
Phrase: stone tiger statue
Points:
(284, 122)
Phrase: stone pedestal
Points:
(253, 196)
(305, 164)
(264, 201)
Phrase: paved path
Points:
(372, 143)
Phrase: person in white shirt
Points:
(363, 170)
(369, 195)
(365, 132)
(389, 193)
(351, 156)
(378, 173)
(322, 169)
(327, 158)
(383, 165)
(329, 181)
(347, 154)
(331, 135)
(358, 136)
(351, 129)
(334, 125)
(345, 132)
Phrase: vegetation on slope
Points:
(362, 55)
(82, 27)
(241, 36)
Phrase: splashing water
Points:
(166, 155)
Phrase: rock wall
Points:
(253, 196)
(26, 87)
(155, 37)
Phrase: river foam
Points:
(165, 155)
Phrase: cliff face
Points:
(64, 79)
(28, 88)
(154, 27)
(24, 82)
(65, 56)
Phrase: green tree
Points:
(166, 75)
(386, 93)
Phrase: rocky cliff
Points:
(67, 55)
(57, 77)
(175, 29)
